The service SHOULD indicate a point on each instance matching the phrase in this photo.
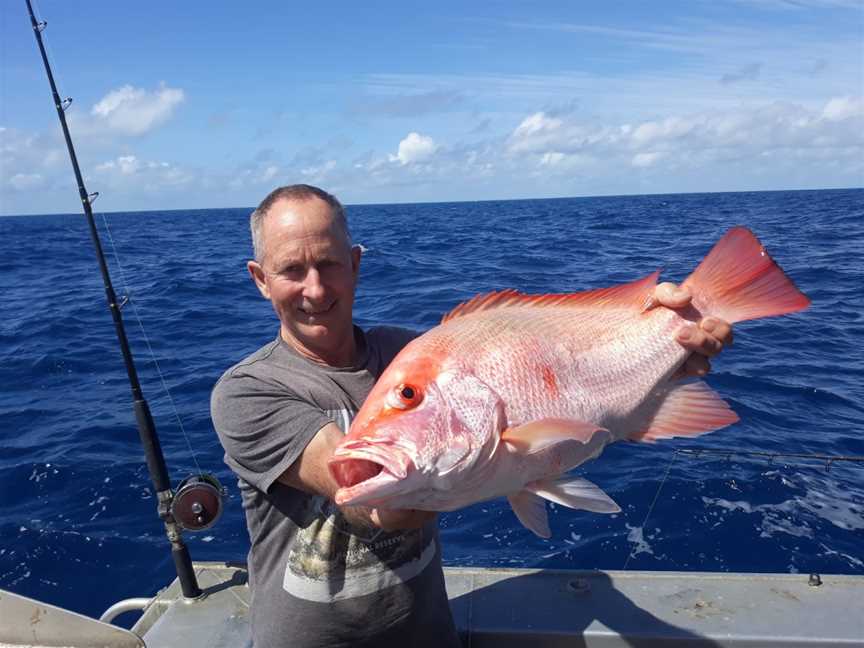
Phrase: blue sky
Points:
(196, 105)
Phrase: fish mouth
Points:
(366, 472)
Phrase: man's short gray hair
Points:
(296, 193)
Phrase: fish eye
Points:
(405, 397)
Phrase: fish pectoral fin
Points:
(575, 493)
(687, 409)
(539, 435)
(531, 511)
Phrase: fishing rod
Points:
(728, 453)
(197, 503)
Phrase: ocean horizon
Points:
(442, 202)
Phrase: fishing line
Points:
(653, 503)
(128, 299)
(55, 68)
(728, 453)
(59, 82)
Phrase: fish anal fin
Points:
(531, 511)
(543, 433)
(687, 410)
(634, 295)
(575, 493)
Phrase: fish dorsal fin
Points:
(635, 294)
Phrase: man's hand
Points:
(309, 473)
(387, 519)
(393, 519)
(705, 339)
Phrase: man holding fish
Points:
(323, 574)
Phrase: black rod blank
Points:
(146, 428)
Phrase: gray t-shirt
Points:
(317, 580)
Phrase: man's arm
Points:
(310, 474)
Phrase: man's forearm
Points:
(358, 516)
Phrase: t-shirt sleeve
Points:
(262, 428)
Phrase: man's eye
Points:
(290, 270)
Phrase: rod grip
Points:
(185, 571)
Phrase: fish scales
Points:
(566, 362)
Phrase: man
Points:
(321, 575)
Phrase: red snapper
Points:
(511, 390)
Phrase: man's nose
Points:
(313, 288)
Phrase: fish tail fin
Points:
(739, 281)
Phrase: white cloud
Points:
(564, 162)
(24, 181)
(804, 4)
(552, 159)
(256, 173)
(318, 172)
(667, 129)
(639, 80)
(26, 160)
(772, 145)
(125, 164)
(414, 148)
(749, 72)
(269, 173)
(841, 108)
(838, 126)
(134, 111)
(129, 171)
(536, 123)
(645, 159)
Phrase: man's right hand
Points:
(395, 519)
(310, 474)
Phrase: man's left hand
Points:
(705, 339)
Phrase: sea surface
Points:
(78, 524)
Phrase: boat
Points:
(502, 607)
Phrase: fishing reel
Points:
(197, 503)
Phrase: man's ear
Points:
(260, 279)
(356, 253)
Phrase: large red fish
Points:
(511, 391)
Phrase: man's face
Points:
(308, 272)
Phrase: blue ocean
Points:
(78, 524)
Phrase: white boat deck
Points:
(514, 607)
(523, 607)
